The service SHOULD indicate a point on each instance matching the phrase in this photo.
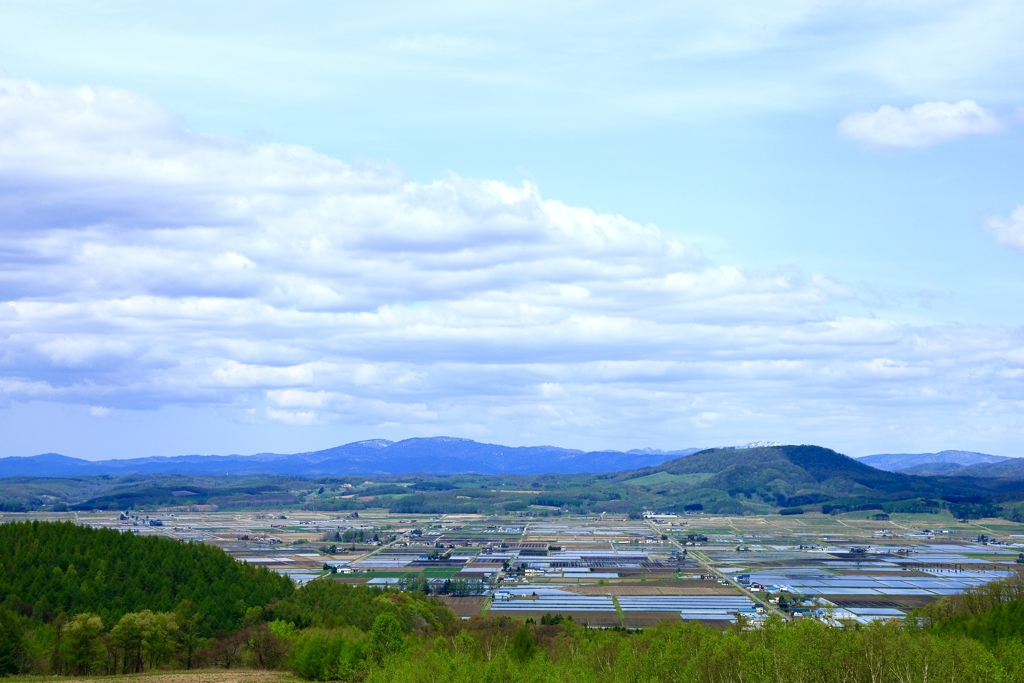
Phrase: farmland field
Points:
(606, 569)
(464, 607)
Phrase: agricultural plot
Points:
(691, 607)
(590, 619)
(685, 587)
(859, 567)
(464, 606)
(651, 619)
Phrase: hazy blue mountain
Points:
(436, 455)
(941, 463)
(40, 465)
(1011, 468)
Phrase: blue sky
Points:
(242, 227)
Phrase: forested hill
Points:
(81, 601)
(797, 465)
(734, 480)
(50, 568)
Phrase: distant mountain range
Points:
(448, 455)
(949, 463)
(409, 477)
(436, 455)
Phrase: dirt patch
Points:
(651, 574)
(865, 603)
(463, 607)
(906, 601)
(614, 590)
(647, 619)
(721, 624)
(913, 601)
(206, 676)
(699, 590)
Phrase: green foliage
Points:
(1004, 621)
(284, 629)
(12, 643)
(81, 648)
(433, 485)
(523, 646)
(386, 637)
(144, 639)
(59, 567)
(433, 503)
(384, 490)
(147, 492)
(992, 613)
(804, 651)
(1014, 511)
(189, 635)
(329, 604)
(326, 655)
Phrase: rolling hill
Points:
(758, 479)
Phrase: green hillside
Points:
(733, 480)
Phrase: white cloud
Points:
(302, 418)
(99, 411)
(921, 125)
(145, 266)
(1009, 231)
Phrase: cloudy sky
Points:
(262, 226)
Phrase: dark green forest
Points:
(59, 568)
(78, 601)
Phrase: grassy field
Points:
(659, 478)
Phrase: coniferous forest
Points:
(76, 601)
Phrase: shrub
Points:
(322, 655)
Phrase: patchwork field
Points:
(609, 570)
